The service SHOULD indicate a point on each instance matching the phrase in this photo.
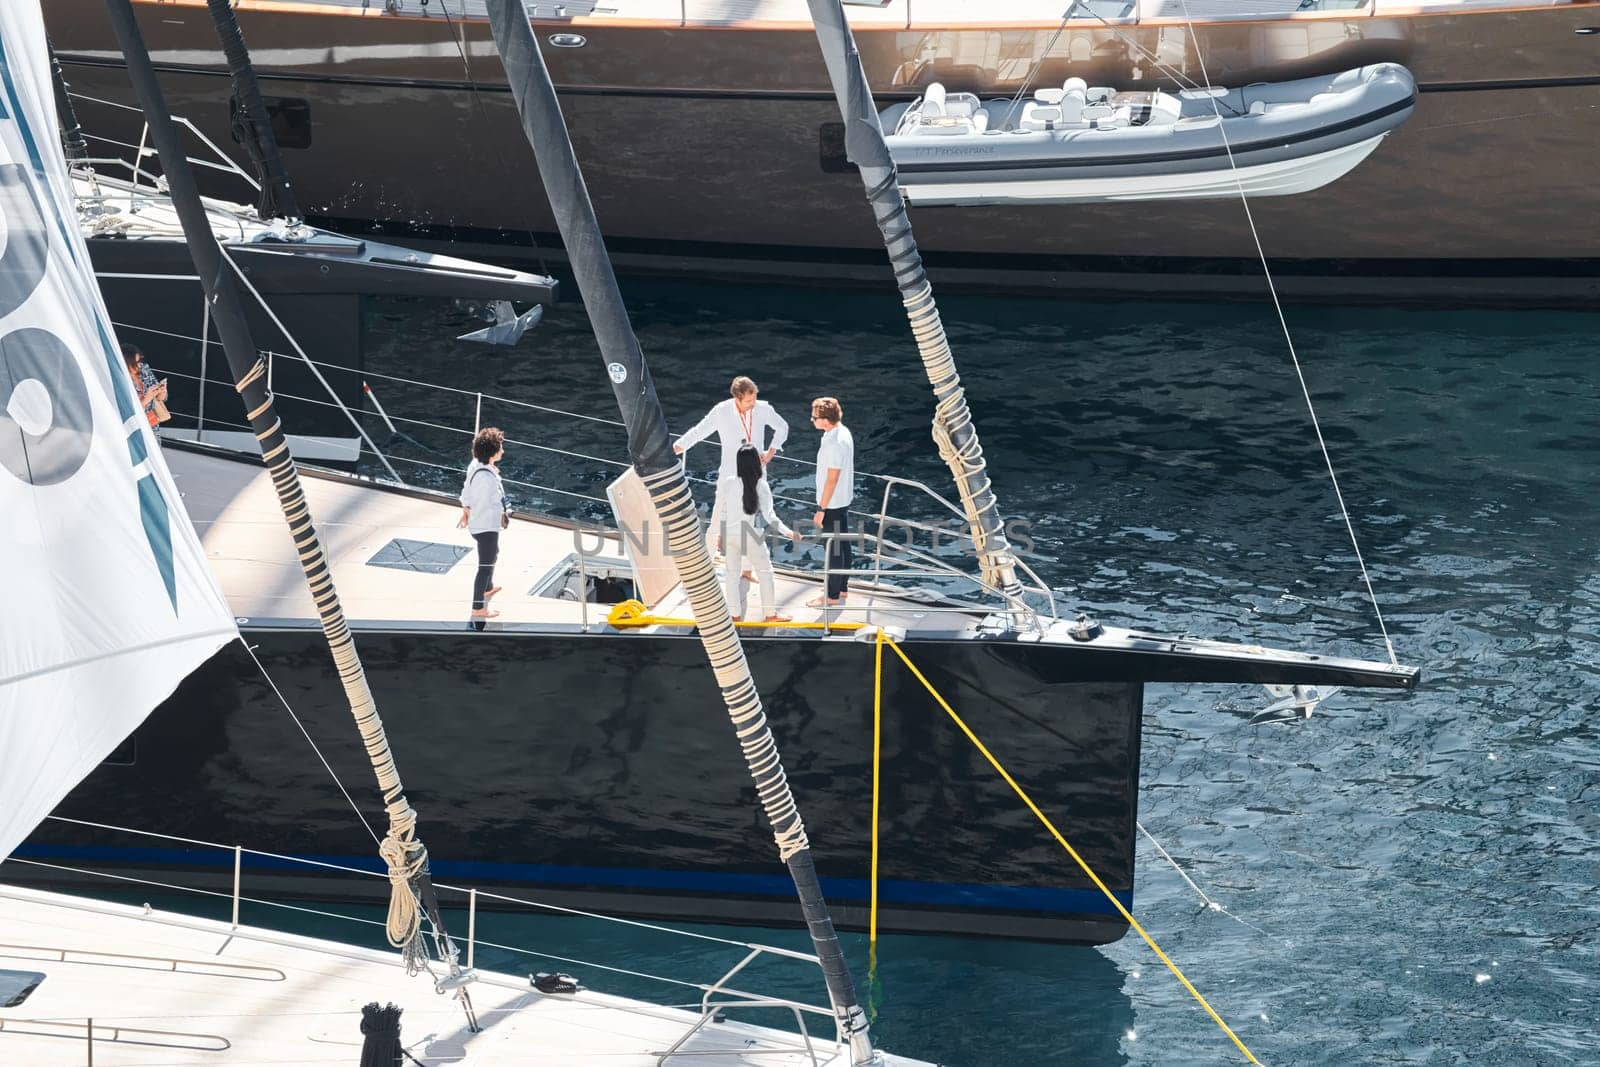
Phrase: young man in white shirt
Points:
(836, 491)
(742, 419)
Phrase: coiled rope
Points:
(632, 614)
(405, 856)
(866, 148)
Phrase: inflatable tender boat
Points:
(1076, 144)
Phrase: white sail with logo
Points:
(107, 600)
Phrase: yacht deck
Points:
(171, 990)
(235, 510)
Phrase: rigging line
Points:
(1083, 865)
(1288, 339)
(477, 100)
(238, 272)
(1033, 68)
(1211, 905)
(1167, 69)
(307, 736)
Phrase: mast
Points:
(402, 851)
(252, 125)
(73, 143)
(650, 449)
(953, 430)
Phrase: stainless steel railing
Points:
(937, 569)
(714, 996)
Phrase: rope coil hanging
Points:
(953, 426)
(405, 856)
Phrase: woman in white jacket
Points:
(744, 547)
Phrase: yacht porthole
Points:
(568, 40)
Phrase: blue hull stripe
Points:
(936, 894)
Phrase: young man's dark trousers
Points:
(835, 521)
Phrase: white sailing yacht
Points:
(110, 605)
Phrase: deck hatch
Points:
(429, 557)
(16, 985)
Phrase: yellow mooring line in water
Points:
(877, 704)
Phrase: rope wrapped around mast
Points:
(650, 450)
(669, 492)
(250, 120)
(73, 143)
(405, 856)
(953, 428)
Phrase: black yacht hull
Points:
(601, 771)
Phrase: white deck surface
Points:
(254, 997)
(235, 510)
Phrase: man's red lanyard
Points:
(748, 421)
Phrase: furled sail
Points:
(108, 601)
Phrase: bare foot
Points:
(824, 602)
(779, 618)
(488, 594)
(484, 613)
(738, 618)
(747, 576)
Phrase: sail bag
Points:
(107, 602)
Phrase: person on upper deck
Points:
(836, 490)
(743, 419)
(484, 514)
(746, 543)
(151, 392)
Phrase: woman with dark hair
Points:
(150, 391)
(483, 513)
(743, 543)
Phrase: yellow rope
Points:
(633, 613)
(1012, 782)
(877, 763)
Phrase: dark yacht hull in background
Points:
(715, 148)
(318, 284)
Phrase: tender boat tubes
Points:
(1079, 144)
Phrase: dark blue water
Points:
(1407, 878)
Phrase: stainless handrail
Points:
(133, 1035)
(938, 566)
(752, 949)
(227, 163)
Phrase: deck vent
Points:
(429, 557)
(16, 985)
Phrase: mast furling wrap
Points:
(650, 450)
(252, 124)
(401, 849)
(953, 429)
